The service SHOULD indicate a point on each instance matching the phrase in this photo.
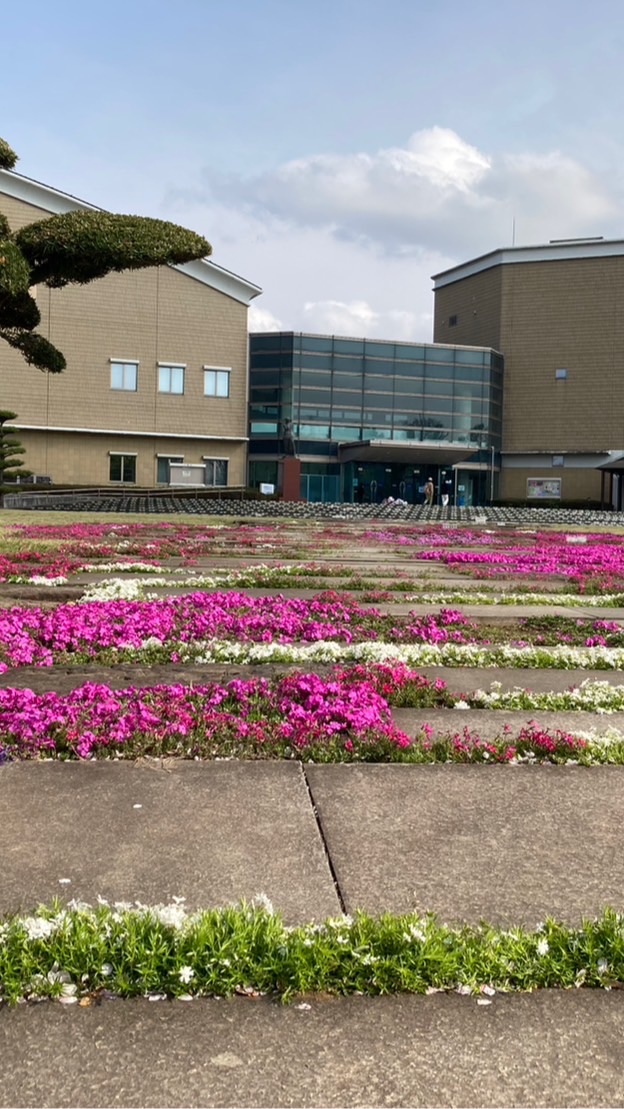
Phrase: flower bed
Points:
(124, 950)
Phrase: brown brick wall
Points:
(563, 315)
(67, 456)
(476, 301)
(149, 316)
(576, 484)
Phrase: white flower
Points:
(603, 966)
(185, 974)
(461, 705)
(37, 928)
(542, 947)
(106, 970)
(173, 915)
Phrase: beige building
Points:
(157, 370)
(556, 313)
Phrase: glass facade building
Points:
(370, 419)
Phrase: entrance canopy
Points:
(416, 453)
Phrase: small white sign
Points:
(266, 487)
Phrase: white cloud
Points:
(346, 244)
(260, 319)
(358, 318)
(436, 193)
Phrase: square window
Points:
(122, 467)
(452, 321)
(162, 467)
(216, 471)
(216, 382)
(170, 379)
(124, 376)
(561, 375)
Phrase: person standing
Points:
(429, 492)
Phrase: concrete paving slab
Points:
(509, 844)
(210, 832)
(490, 723)
(543, 1049)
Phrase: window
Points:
(216, 383)
(452, 321)
(216, 471)
(170, 378)
(124, 375)
(560, 375)
(162, 466)
(122, 467)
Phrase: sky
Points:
(336, 153)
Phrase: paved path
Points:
(544, 1049)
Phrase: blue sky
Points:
(336, 153)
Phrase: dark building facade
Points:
(369, 419)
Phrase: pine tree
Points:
(75, 248)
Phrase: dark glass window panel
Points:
(469, 373)
(346, 415)
(347, 381)
(379, 433)
(270, 341)
(349, 346)
(264, 361)
(263, 396)
(409, 387)
(343, 397)
(264, 428)
(407, 352)
(340, 432)
(408, 419)
(464, 391)
(380, 350)
(441, 388)
(306, 413)
(474, 357)
(376, 366)
(312, 431)
(438, 404)
(438, 373)
(315, 396)
(263, 411)
(315, 362)
(375, 417)
(439, 354)
(375, 383)
(310, 378)
(265, 377)
(348, 365)
(316, 342)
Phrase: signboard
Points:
(181, 473)
(543, 488)
(266, 487)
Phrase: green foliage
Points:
(123, 952)
(76, 247)
(14, 269)
(8, 157)
(81, 246)
(37, 350)
(18, 312)
(10, 450)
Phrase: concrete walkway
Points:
(509, 844)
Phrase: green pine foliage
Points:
(76, 248)
(10, 451)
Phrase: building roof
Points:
(558, 250)
(55, 202)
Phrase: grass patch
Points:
(82, 951)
